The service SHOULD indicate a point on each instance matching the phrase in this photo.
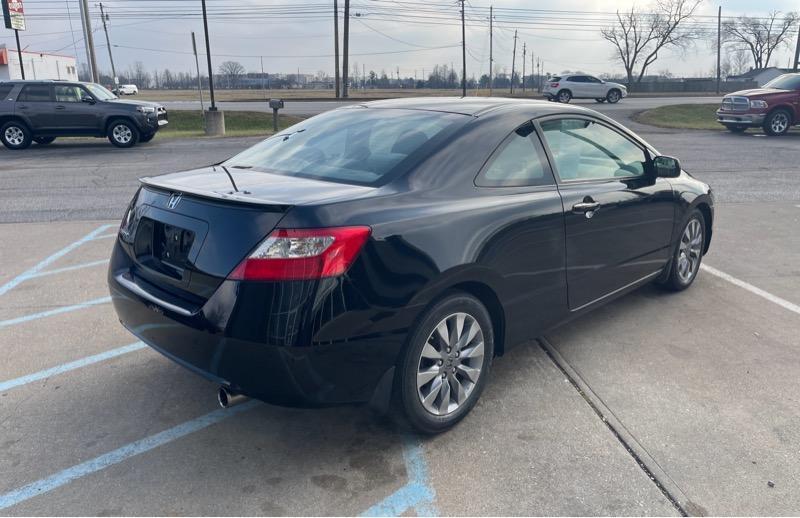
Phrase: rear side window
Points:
(518, 162)
(362, 146)
(4, 91)
(34, 93)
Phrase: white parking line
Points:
(70, 366)
(49, 260)
(115, 457)
(785, 304)
(51, 312)
(70, 268)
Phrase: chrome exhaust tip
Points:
(227, 399)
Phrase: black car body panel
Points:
(47, 117)
(520, 250)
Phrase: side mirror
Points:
(666, 167)
(87, 99)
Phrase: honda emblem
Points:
(174, 199)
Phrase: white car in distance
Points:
(567, 87)
(128, 90)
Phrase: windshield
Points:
(785, 82)
(362, 146)
(99, 92)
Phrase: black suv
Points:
(40, 111)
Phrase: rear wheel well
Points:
(706, 211)
(10, 118)
(488, 298)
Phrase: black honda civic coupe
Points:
(385, 253)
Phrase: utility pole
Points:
(491, 57)
(336, 45)
(213, 107)
(463, 54)
(87, 24)
(197, 64)
(719, 45)
(346, 56)
(513, 62)
(524, 58)
(533, 73)
(263, 80)
(85, 46)
(104, 18)
(797, 52)
(364, 76)
(19, 53)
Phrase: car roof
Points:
(474, 106)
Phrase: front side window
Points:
(100, 93)
(588, 150)
(35, 93)
(352, 145)
(519, 161)
(69, 93)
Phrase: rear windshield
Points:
(555, 78)
(363, 146)
(785, 82)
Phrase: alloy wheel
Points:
(779, 122)
(14, 135)
(122, 133)
(564, 97)
(450, 364)
(690, 251)
(613, 96)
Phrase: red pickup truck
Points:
(775, 107)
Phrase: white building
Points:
(38, 65)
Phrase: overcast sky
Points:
(148, 31)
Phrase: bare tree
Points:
(138, 75)
(638, 36)
(760, 36)
(231, 71)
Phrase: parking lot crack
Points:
(673, 493)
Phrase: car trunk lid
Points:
(187, 231)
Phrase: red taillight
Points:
(554, 85)
(297, 254)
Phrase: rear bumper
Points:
(224, 342)
(747, 119)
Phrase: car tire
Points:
(687, 254)
(778, 122)
(122, 133)
(736, 128)
(613, 96)
(43, 141)
(147, 138)
(15, 135)
(429, 404)
(564, 96)
(600, 100)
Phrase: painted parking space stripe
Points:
(70, 268)
(51, 312)
(105, 236)
(52, 258)
(785, 304)
(111, 458)
(417, 494)
(70, 366)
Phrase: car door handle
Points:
(585, 207)
(60, 107)
(23, 107)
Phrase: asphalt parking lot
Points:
(656, 404)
